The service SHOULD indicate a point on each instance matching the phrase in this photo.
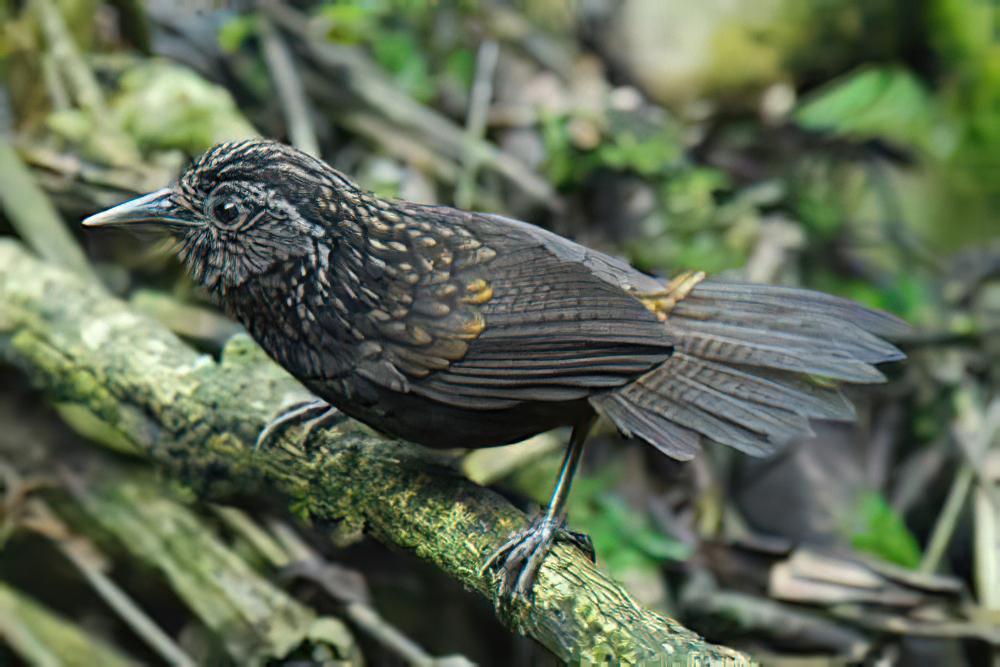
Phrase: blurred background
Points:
(851, 146)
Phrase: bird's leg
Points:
(313, 413)
(518, 560)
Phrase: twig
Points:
(68, 57)
(365, 82)
(395, 142)
(297, 558)
(288, 85)
(764, 618)
(199, 418)
(551, 53)
(238, 521)
(475, 120)
(974, 433)
(105, 185)
(34, 217)
(255, 620)
(84, 556)
(981, 437)
(341, 583)
(986, 520)
(35, 514)
(46, 639)
(58, 95)
(946, 521)
(307, 563)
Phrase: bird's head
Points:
(240, 209)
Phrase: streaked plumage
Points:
(451, 328)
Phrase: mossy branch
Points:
(125, 380)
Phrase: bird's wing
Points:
(482, 312)
(559, 323)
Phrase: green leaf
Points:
(879, 102)
(624, 538)
(645, 155)
(817, 208)
(460, 65)
(562, 164)
(648, 147)
(636, 530)
(351, 22)
(236, 31)
(402, 56)
(882, 532)
(908, 295)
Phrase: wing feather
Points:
(554, 330)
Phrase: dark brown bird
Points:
(457, 329)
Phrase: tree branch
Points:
(123, 379)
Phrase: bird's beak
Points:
(155, 211)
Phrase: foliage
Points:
(874, 102)
(626, 540)
(882, 532)
(649, 147)
(398, 33)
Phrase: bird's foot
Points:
(312, 413)
(581, 541)
(519, 559)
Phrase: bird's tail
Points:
(751, 365)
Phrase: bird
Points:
(456, 329)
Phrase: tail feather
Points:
(793, 299)
(772, 387)
(745, 366)
(820, 357)
(673, 440)
(797, 331)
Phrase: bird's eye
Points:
(227, 212)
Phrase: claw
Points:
(518, 560)
(581, 541)
(328, 417)
(299, 412)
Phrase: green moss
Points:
(165, 106)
